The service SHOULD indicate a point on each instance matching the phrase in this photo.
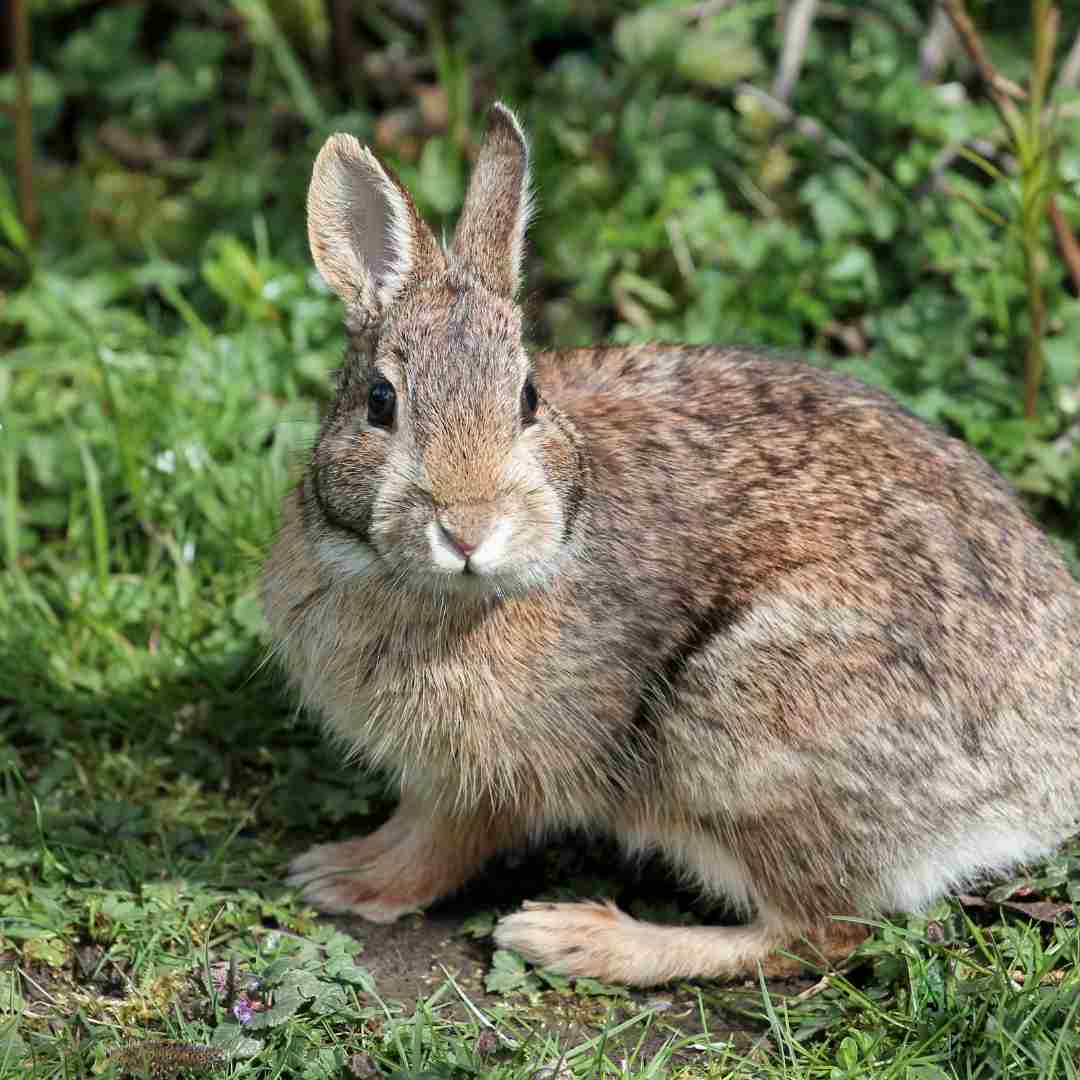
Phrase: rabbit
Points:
(740, 612)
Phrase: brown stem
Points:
(343, 44)
(1001, 89)
(1067, 242)
(24, 135)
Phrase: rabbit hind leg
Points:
(600, 941)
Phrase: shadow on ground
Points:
(207, 775)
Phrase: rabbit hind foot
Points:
(600, 941)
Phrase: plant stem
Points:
(1032, 142)
(1001, 89)
(24, 132)
(1070, 248)
(800, 18)
(1036, 178)
(10, 468)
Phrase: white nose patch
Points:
(491, 551)
(484, 560)
(443, 554)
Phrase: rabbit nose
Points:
(465, 533)
(465, 547)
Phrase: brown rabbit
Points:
(747, 614)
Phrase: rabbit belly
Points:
(696, 854)
(982, 851)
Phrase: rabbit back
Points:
(871, 655)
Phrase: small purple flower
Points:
(219, 976)
(242, 1009)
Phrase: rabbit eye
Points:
(530, 401)
(380, 404)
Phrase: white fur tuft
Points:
(958, 861)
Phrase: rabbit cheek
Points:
(565, 473)
(536, 514)
(338, 495)
(400, 515)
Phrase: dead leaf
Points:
(1042, 910)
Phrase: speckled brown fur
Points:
(744, 612)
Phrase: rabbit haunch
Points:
(748, 614)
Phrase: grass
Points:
(155, 780)
(166, 352)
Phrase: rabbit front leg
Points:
(418, 856)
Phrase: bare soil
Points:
(410, 959)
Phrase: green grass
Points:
(165, 355)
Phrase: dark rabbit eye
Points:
(381, 400)
(530, 401)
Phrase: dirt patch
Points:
(410, 959)
(407, 958)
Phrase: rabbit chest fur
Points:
(749, 614)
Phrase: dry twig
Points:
(1069, 75)
(1070, 249)
(1002, 90)
(797, 24)
(937, 45)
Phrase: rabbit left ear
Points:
(366, 237)
(489, 241)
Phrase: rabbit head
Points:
(439, 464)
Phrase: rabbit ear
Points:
(490, 236)
(366, 237)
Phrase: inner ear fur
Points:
(367, 239)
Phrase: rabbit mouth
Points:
(434, 560)
(438, 562)
(478, 553)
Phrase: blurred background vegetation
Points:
(831, 178)
(846, 180)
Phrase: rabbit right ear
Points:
(366, 237)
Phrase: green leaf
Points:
(329, 998)
(287, 1002)
(848, 1053)
(1062, 352)
(11, 999)
(595, 988)
(507, 973)
(854, 264)
(344, 968)
(718, 60)
(231, 1038)
(479, 925)
(12, 1047)
(337, 943)
(46, 100)
(649, 36)
(440, 181)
